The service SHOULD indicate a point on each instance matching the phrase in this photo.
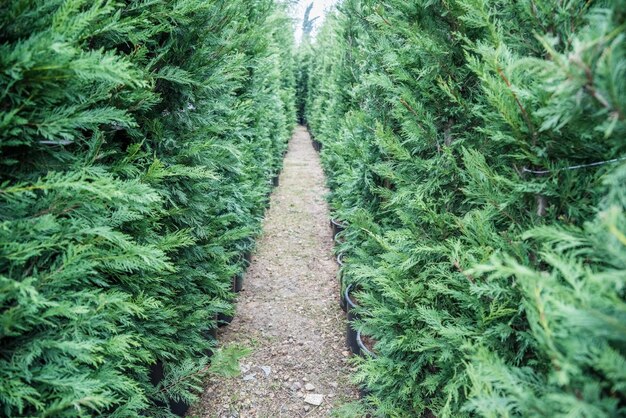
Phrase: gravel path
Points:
(288, 312)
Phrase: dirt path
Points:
(288, 312)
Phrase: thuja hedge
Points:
(476, 150)
(137, 140)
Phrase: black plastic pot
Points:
(363, 392)
(238, 283)
(211, 335)
(351, 340)
(211, 332)
(223, 319)
(179, 408)
(275, 181)
(156, 372)
(337, 227)
(247, 257)
(342, 294)
(365, 352)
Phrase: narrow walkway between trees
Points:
(288, 312)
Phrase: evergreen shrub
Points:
(476, 150)
(137, 143)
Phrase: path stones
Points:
(266, 370)
(314, 399)
(309, 387)
(296, 386)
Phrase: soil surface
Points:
(288, 312)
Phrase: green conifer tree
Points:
(465, 144)
(130, 187)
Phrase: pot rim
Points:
(237, 278)
(349, 303)
(362, 346)
(339, 239)
(338, 223)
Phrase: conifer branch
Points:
(525, 115)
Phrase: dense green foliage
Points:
(137, 139)
(460, 139)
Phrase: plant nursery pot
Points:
(342, 302)
(211, 332)
(179, 408)
(367, 351)
(351, 339)
(211, 335)
(275, 181)
(156, 376)
(223, 319)
(337, 227)
(338, 238)
(365, 345)
(247, 257)
(342, 294)
(156, 373)
(238, 283)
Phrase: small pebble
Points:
(314, 399)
